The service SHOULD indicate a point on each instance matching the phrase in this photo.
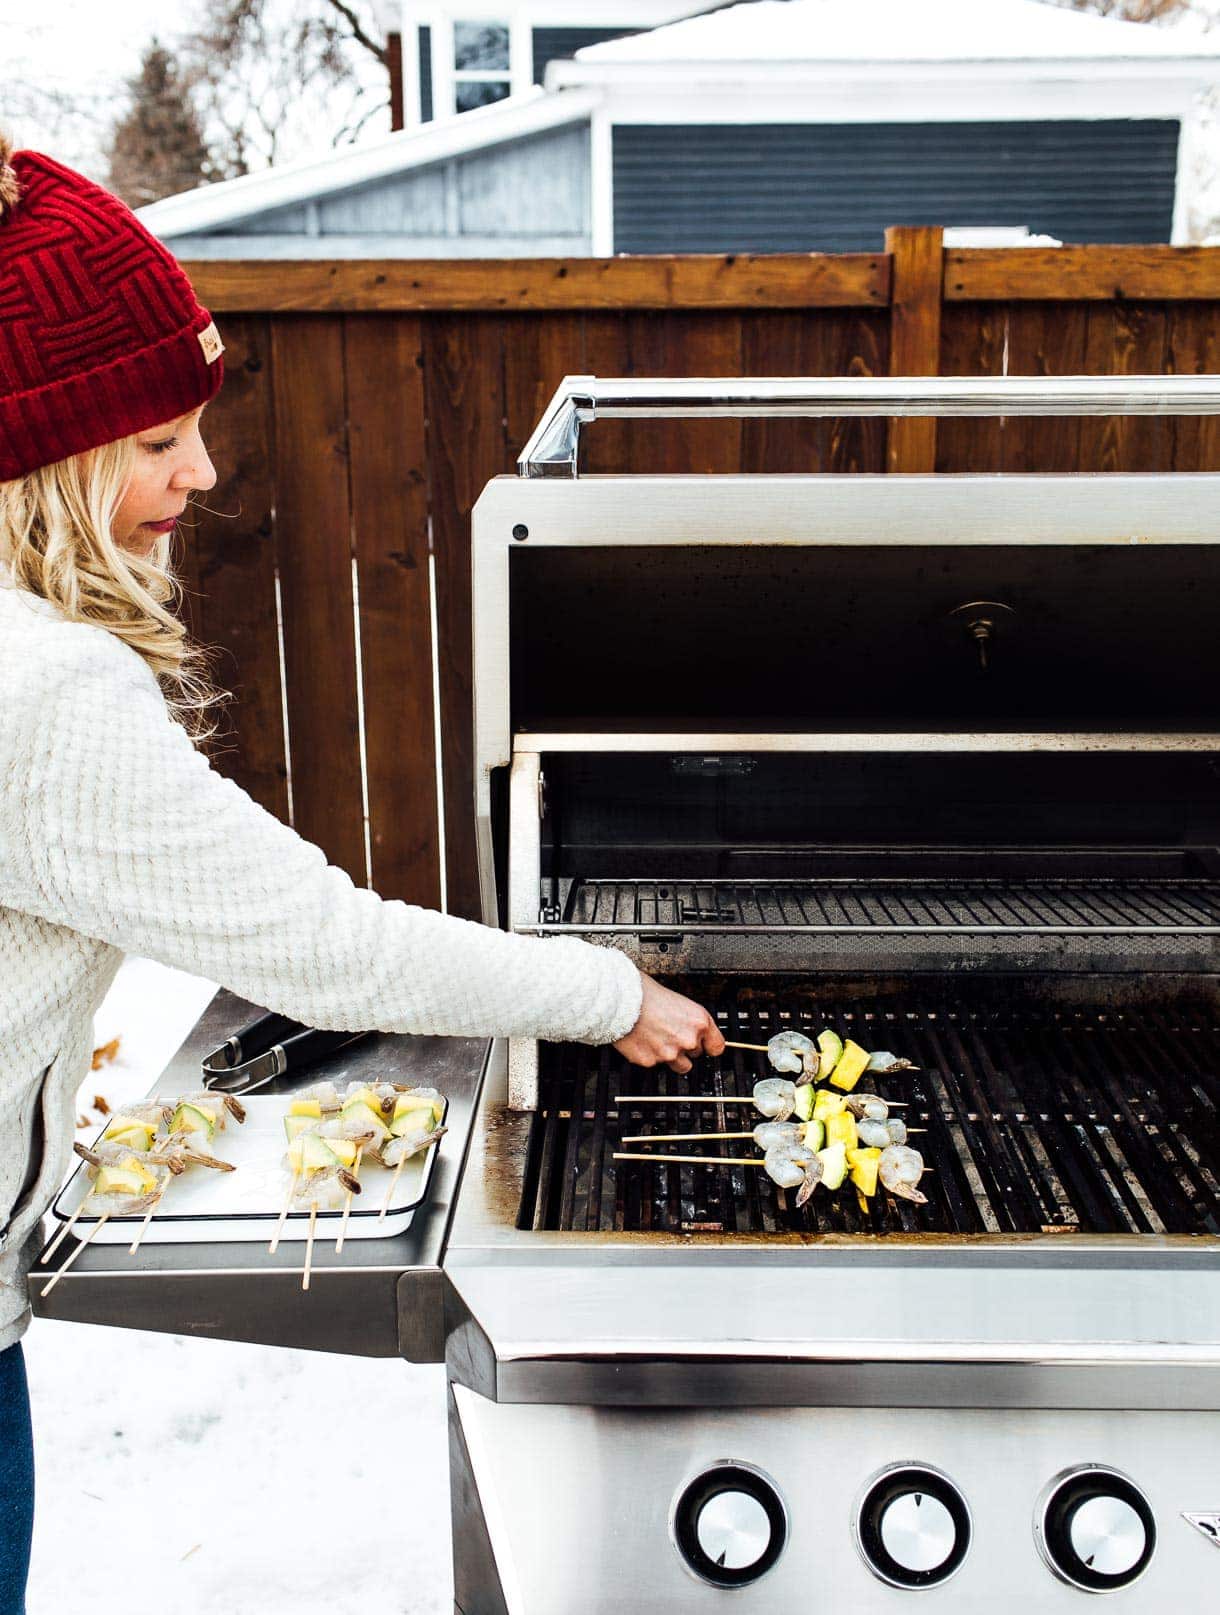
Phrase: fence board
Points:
(973, 342)
(1125, 339)
(1099, 274)
(816, 342)
(464, 386)
(230, 554)
(390, 532)
(1044, 340)
(313, 541)
(915, 308)
(733, 281)
(1194, 349)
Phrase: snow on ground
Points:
(240, 1478)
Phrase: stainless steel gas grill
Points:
(935, 761)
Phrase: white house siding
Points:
(523, 199)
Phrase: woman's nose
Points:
(200, 473)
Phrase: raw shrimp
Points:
(397, 1150)
(326, 1190)
(900, 1170)
(867, 1106)
(352, 1128)
(325, 1093)
(775, 1097)
(874, 1135)
(793, 1051)
(885, 1061)
(768, 1134)
(897, 1129)
(791, 1164)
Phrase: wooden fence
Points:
(367, 404)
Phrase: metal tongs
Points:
(268, 1048)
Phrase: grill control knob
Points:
(912, 1526)
(730, 1525)
(1094, 1529)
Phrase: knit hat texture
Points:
(100, 332)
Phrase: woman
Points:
(116, 835)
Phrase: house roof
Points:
(894, 30)
(210, 207)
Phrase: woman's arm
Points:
(130, 836)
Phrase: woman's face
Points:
(170, 461)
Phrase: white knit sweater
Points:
(117, 836)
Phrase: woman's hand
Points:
(669, 1028)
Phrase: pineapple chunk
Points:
(306, 1107)
(343, 1150)
(841, 1129)
(853, 1063)
(864, 1164)
(826, 1104)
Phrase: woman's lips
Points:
(163, 527)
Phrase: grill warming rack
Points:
(893, 905)
(1052, 1120)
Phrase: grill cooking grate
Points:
(1094, 906)
(1100, 1121)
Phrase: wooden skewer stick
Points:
(279, 1227)
(754, 1048)
(389, 1194)
(58, 1239)
(97, 1228)
(148, 1216)
(694, 1160)
(347, 1204)
(313, 1223)
(672, 1138)
(680, 1099)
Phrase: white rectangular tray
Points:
(204, 1205)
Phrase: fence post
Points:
(917, 262)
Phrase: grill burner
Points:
(1060, 906)
(1050, 1118)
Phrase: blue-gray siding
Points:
(561, 44)
(835, 187)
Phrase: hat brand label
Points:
(209, 341)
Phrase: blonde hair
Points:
(55, 535)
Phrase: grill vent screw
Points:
(982, 619)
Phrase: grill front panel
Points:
(1095, 1117)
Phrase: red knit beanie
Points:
(100, 333)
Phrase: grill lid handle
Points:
(554, 446)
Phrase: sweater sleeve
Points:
(134, 839)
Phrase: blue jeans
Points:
(16, 1482)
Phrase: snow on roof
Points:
(898, 30)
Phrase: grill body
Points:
(736, 728)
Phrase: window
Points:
(481, 64)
